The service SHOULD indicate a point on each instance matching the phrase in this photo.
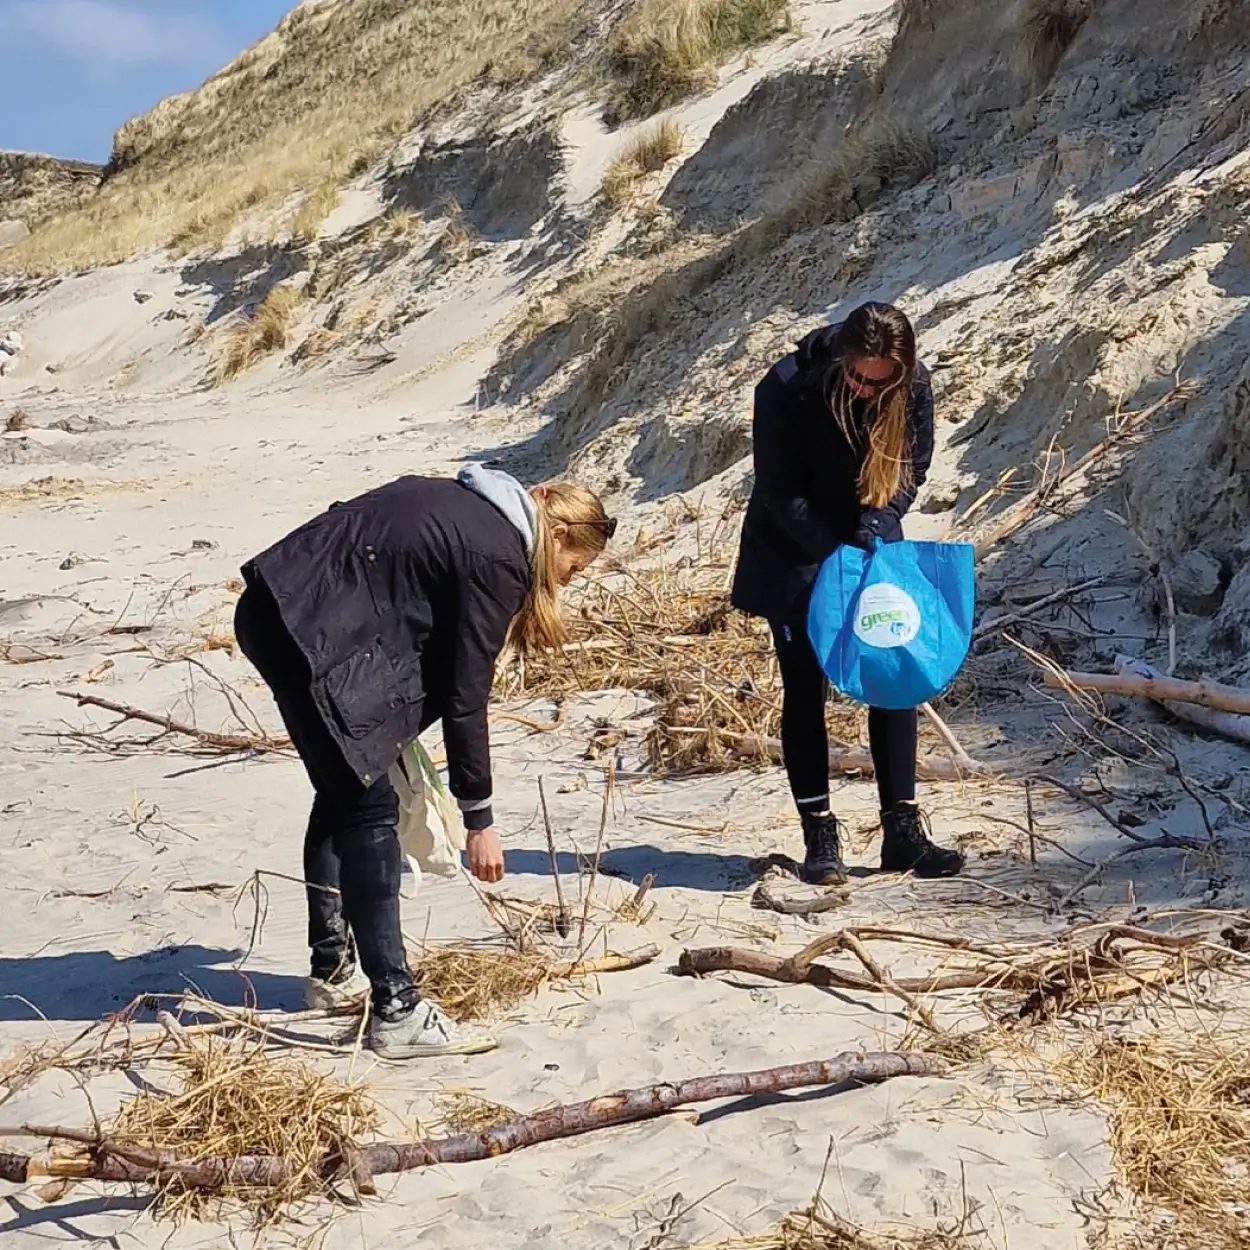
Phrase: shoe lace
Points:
(913, 826)
(826, 837)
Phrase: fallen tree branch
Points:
(606, 963)
(1227, 724)
(1086, 965)
(110, 1161)
(1027, 613)
(959, 757)
(766, 900)
(222, 742)
(1166, 841)
(1159, 688)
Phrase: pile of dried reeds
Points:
(673, 635)
(476, 981)
(234, 1099)
(1180, 1123)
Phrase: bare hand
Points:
(485, 854)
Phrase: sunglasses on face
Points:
(871, 385)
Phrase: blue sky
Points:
(71, 71)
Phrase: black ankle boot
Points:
(822, 836)
(907, 847)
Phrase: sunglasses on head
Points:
(607, 526)
(869, 384)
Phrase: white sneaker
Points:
(425, 1032)
(347, 994)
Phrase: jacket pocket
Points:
(376, 581)
(365, 690)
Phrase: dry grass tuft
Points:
(463, 1112)
(307, 108)
(1050, 26)
(890, 151)
(318, 204)
(476, 982)
(647, 154)
(318, 344)
(458, 237)
(267, 330)
(820, 1228)
(667, 50)
(233, 1100)
(1180, 1124)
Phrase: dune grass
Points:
(647, 154)
(267, 330)
(667, 50)
(307, 108)
(1050, 26)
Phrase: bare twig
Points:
(223, 742)
(608, 788)
(562, 924)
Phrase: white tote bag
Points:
(430, 831)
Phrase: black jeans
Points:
(805, 738)
(351, 850)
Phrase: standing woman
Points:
(369, 623)
(843, 438)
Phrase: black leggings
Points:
(352, 859)
(805, 739)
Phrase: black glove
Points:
(873, 524)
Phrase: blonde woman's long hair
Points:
(878, 331)
(539, 625)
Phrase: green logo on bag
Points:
(886, 616)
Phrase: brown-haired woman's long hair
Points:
(538, 625)
(877, 331)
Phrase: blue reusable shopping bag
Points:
(891, 627)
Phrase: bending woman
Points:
(843, 438)
(368, 624)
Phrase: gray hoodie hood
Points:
(508, 495)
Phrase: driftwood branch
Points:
(766, 900)
(221, 742)
(1159, 688)
(110, 1161)
(1227, 724)
(1039, 605)
(606, 963)
(963, 762)
(1088, 964)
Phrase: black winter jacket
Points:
(401, 600)
(805, 501)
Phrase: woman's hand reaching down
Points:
(485, 853)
